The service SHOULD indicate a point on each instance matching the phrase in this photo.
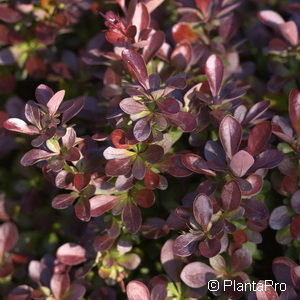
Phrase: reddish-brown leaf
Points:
(230, 133)
(214, 70)
(132, 218)
(136, 290)
(294, 110)
(71, 254)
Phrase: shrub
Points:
(174, 161)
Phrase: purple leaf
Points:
(159, 292)
(154, 81)
(289, 31)
(197, 274)
(295, 228)
(73, 110)
(171, 264)
(295, 201)
(43, 94)
(264, 291)
(116, 153)
(186, 244)
(177, 82)
(214, 153)
(296, 276)
(77, 292)
(169, 105)
(21, 292)
(68, 140)
(63, 201)
(257, 110)
(241, 259)
(132, 218)
(280, 217)
(142, 130)
(35, 270)
(270, 18)
(240, 113)
(131, 106)
(102, 203)
(230, 133)
(140, 18)
(83, 210)
(116, 167)
(231, 195)
(283, 129)
(124, 182)
(136, 290)
(240, 163)
(19, 125)
(155, 228)
(73, 154)
(269, 159)
(145, 198)
(156, 40)
(153, 154)
(259, 137)
(32, 113)
(138, 169)
(130, 261)
(71, 254)
(288, 294)
(203, 210)
(59, 284)
(210, 247)
(196, 164)
(35, 155)
(175, 167)
(255, 210)
(214, 70)
(294, 110)
(256, 183)
(135, 63)
(55, 101)
(282, 267)
(182, 55)
(114, 230)
(8, 237)
(185, 120)
(103, 242)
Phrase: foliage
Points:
(174, 161)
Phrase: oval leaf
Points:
(231, 195)
(63, 201)
(102, 203)
(214, 70)
(230, 133)
(137, 290)
(8, 237)
(71, 254)
(18, 125)
(135, 63)
(259, 137)
(197, 274)
(294, 110)
(240, 163)
(132, 218)
(203, 210)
